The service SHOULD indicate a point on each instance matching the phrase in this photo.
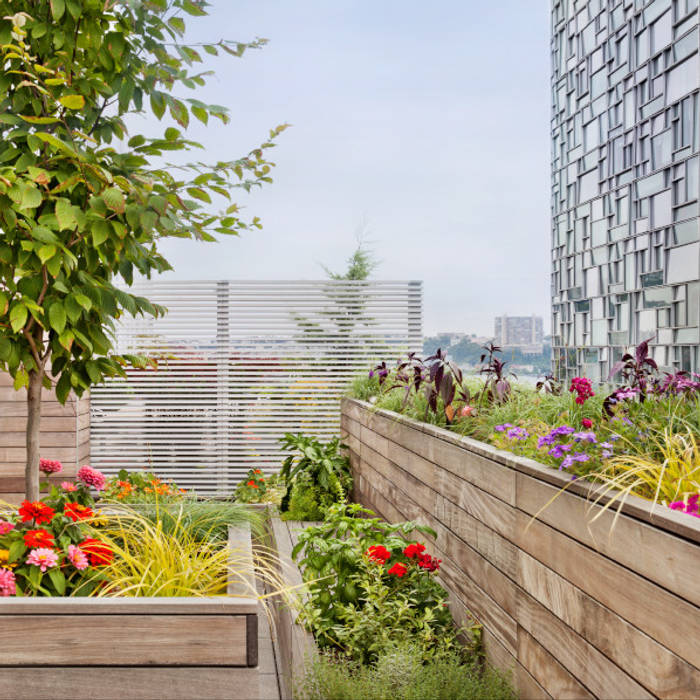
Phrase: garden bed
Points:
(573, 608)
(132, 648)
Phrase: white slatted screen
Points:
(239, 364)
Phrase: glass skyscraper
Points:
(625, 183)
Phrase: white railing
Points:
(239, 364)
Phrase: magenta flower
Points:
(92, 477)
(692, 507)
(77, 557)
(7, 583)
(6, 526)
(50, 466)
(43, 557)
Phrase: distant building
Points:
(522, 332)
(625, 183)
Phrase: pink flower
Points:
(6, 526)
(7, 583)
(68, 486)
(77, 557)
(50, 466)
(43, 558)
(92, 477)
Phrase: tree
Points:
(79, 217)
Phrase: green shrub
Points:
(400, 675)
(306, 501)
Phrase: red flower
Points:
(36, 511)
(378, 553)
(76, 512)
(586, 422)
(398, 569)
(414, 550)
(38, 538)
(98, 553)
(253, 484)
(425, 561)
(257, 471)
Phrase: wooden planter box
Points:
(294, 644)
(576, 610)
(131, 648)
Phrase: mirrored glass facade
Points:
(625, 182)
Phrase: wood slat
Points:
(134, 640)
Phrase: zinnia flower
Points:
(253, 484)
(92, 477)
(38, 538)
(77, 557)
(378, 553)
(6, 526)
(50, 466)
(414, 550)
(36, 511)
(76, 512)
(43, 558)
(398, 570)
(98, 553)
(7, 583)
(68, 486)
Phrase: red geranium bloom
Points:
(76, 512)
(36, 511)
(378, 553)
(425, 561)
(398, 569)
(414, 550)
(98, 553)
(38, 538)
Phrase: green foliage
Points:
(79, 217)
(400, 674)
(322, 465)
(361, 264)
(355, 603)
(141, 487)
(255, 487)
(306, 500)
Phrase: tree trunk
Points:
(31, 473)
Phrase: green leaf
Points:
(65, 214)
(17, 549)
(4, 303)
(58, 7)
(39, 120)
(201, 114)
(66, 339)
(63, 387)
(45, 235)
(114, 199)
(31, 197)
(5, 349)
(199, 193)
(178, 24)
(57, 317)
(100, 232)
(83, 301)
(18, 316)
(72, 101)
(58, 580)
(46, 252)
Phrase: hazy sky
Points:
(428, 121)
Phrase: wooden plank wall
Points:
(65, 435)
(574, 611)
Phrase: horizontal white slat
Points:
(239, 364)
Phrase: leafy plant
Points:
(306, 500)
(401, 674)
(497, 387)
(322, 464)
(255, 487)
(79, 218)
(637, 370)
(141, 487)
(370, 586)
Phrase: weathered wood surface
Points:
(65, 435)
(294, 644)
(573, 611)
(129, 683)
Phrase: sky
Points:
(424, 125)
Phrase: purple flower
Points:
(585, 437)
(623, 394)
(503, 428)
(545, 441)
(517, 434)
(562, 430)
(577, 457)
(559, 451)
